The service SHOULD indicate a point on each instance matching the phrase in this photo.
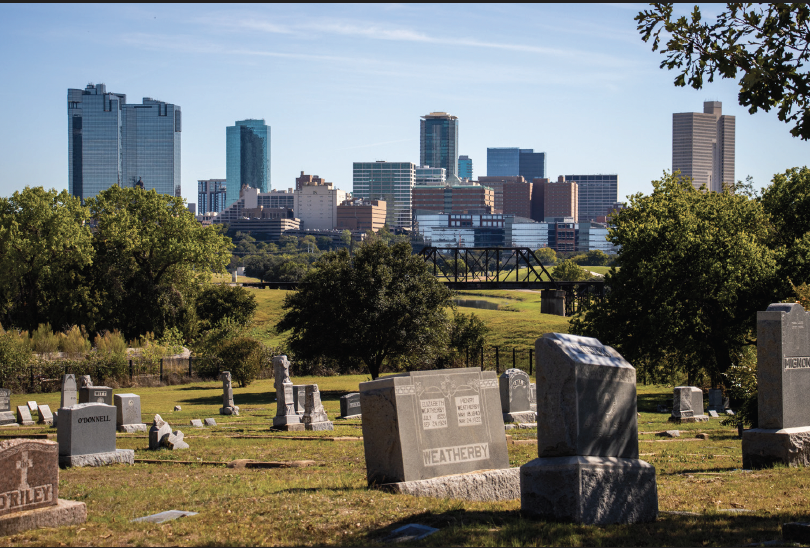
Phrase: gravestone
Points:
(299, 397)
(716, 400)
(210, 422)
(128, 413)
(315, 417)
(24, 416)
(174, 441)
(159, 431)
(96, 394)
(425, 424)
(713, 414)
(197, 423)
(69, 391)
(32, 406)
(286, 417)
(6, 416)
(515, 391)
(85, 381)
(45, 415)
(533, 398)
(783, 382)
(86, 436)
(687, 405)
(587, 470)
(29, 488)
(228, 407)
(350, 406)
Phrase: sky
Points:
(346, 83)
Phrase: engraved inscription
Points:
(468, 410)
(26, 496)
(797, 363)
(459, 453)
(434, 414)
(405, 390)
(591, 350)
(354, 404)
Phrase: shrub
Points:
(110, 342)
(15, 355)
(243, 357)
(569, 271)
(74, 341)
(44, 340)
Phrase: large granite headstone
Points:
(286, 417)
(350, 406)
(315, 417)
(86, 436)
(24, 416)
(96, 394)
(228, 407)
(687, 405)
(587, 470)
(128, 413)
(29, 488)
(516, 396)
(425, 424)
(783, 382)
(69, 391)
(716, 400)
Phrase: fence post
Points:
(189, 366)
(513, 357)
(467, 357)
(161, 369)
(482, 357)
(32, 377)
(531, 361)
(130, 370)
(497, 363)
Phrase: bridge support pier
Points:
(552, 301)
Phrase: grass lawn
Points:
(329, 503)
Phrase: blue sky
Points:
(339, 84)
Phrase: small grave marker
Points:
(168, 515)
(24, 416)
(687, 405)
(32, 406)
(128, 413)
(69, 391)
(350, 406)
(516, 396)
(210, 422)
(197, 423)
(45, 415)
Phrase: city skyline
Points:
(591, 102)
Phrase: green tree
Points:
(467, 331)
(152, 256)
(377, 307)
(569, 271)
(597, 257)
(346, 237)
(695, 268)
(216, 302)
(45, 250)
(242, 356)
(324, 242)
(546, 256)
(767, 43)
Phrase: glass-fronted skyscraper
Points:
(389, 181)
(597, 195)
(513, 161)
(465, 168)
(211, 196)
(111, 142)
(247, 160)
(438, 141)
(531, 164)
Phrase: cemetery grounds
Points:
(705, 498)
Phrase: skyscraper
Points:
(111, 142)
(513, 161)
(247, 159)
(465, 168)
(389, 181)
(597, 195)
(211, 195)
(438, 142)
(531, 164)
(703, 146)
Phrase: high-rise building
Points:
(316, 204)
(465, 168)
(561, 200)
(111, 142)
(388, 181)
(438, 141)
(531, 164)
(453, 197)
(426, 175)
(211, 195)
(496, 184)
(247, 157)
(597, 193)
(703, 146)
(503, 162)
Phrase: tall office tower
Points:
(211, 195)
(438, 141)
(388, 181)
(465, 169)
(503, 162)
(531, 164)
(597, 193)
(561, 200)
(517, 199)
(111, 142)
(426, 175)
(247, 159)
(496, 184)
(150, 134)
(94, 140)
(703, 146)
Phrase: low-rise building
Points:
(316, 202)
(361, 215)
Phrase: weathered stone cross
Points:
(23, 465)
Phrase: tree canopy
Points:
(376, 307)
(767, 43)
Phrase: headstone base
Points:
(482, 485)
(27, 423)
(347, 417)
(294, 427)
(123, 456)
(7, 418)
(589, 490)
(520, 416)
(229, 410)
(130, 428)
(762, 448)
(684, 420)
(65, 512)
(319, 426)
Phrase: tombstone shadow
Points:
(239, 398)
(648, 403)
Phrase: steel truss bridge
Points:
(493, 268)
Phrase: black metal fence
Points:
(499, 358)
